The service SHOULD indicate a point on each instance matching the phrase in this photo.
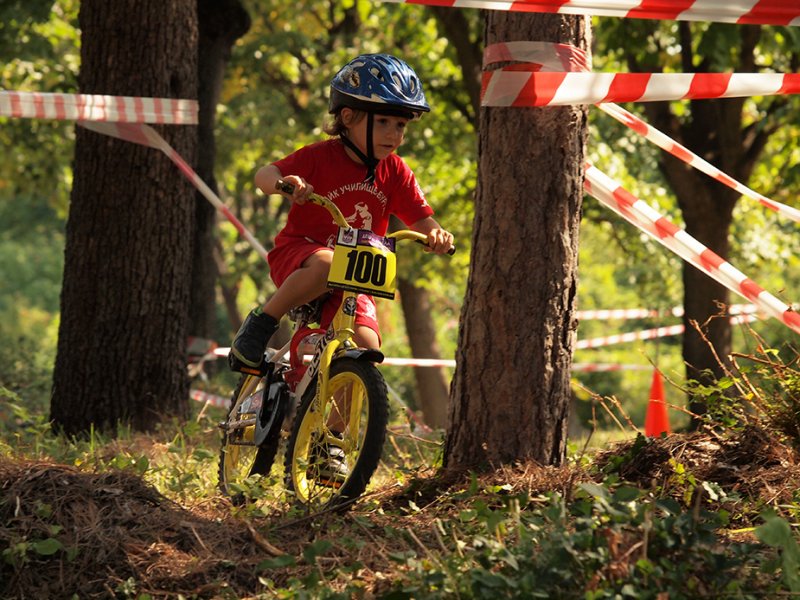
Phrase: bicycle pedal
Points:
(238, 366)
(328, 482)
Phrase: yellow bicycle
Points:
(291, 397)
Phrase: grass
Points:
(709, 514)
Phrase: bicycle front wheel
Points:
(336, 442)
(240, 456)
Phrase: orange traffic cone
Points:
(656, 421)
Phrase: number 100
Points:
(365, 267)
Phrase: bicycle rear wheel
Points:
(241, 455)
(358, 392)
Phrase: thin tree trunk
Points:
(511, 392)
(122, 339)
(220, 25)
(432, 385)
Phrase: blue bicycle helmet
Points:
(378, 83)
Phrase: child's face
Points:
(387, 133)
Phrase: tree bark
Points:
(121, 354)
(432, 385)
(220, 25)
(511, 392)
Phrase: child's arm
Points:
(267, 176)
(439, 240)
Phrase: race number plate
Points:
(364, 262)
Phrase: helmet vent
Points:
(353, 79)
(373, 81)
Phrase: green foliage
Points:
(27, 353)
(599, 537)
(759, 390)
(39, 41)
(278, 94)
(776, 532)
(39, 52)
(610, 541)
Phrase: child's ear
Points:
(347, 115)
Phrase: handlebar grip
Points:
(284, 186)
(450, 252)
(288, 188)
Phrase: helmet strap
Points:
(368, 159)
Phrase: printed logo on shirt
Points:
(359, 187)
(361, 218)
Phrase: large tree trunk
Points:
(220, 25)
(122, 340)
(432, 385)
(511, 392)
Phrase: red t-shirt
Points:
(327, 167)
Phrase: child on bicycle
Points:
(372, 99)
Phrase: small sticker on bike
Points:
(347, 237)
(350, 306)
(364, 262)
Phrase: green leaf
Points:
(286, 560)
(315, 549)
(47, 547)
(626, 494)
(467, 515)
(777, 532)
(774, 532)
(598, 491)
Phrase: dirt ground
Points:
(113, 528)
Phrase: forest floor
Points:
(88, 533)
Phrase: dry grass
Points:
(114, 527)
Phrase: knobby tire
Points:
(363, 439)
(238, 462)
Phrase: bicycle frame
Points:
(349, 392)
(342, 327)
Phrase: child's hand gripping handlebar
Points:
(338, 217)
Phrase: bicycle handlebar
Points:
(404, 234)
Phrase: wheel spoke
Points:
(240, 458)
(330, 458)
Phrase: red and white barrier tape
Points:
(400, 362)
(594, 343)
(520, 86)
(763, 12)
(212, 399)
(641, 215)
(605, 367)
(96, 107)
(677, 150)
(646, 334)
(544, 56)
(123, 117)
(645, 313)
(551, 57)
(223, 402)
(147, 136)
(621, 338)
